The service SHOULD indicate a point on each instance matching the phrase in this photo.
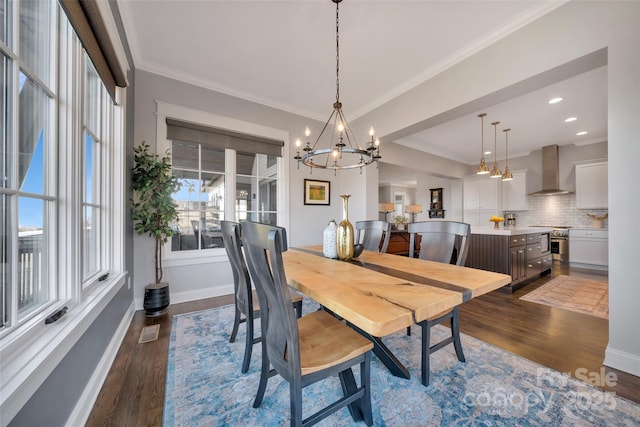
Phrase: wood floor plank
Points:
(133, 393)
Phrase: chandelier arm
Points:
(347, 130)
(307, 159)
(323, 129)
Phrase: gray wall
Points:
(305, 223)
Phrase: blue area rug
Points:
(493, 388)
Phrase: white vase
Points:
(329, 241)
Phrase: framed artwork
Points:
(317, 192)
(435, 203)
(436, 198)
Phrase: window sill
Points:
(26, 368)
(208, 256)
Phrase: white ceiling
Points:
(282, 54)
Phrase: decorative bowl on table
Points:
(496, 220)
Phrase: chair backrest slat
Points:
(442, 241)
(264, 245)
(373, 235)
(231, 232)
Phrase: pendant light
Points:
(338, 149)
(495, 171)
(507, 175)
(482, 169)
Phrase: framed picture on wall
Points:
(436, 198)
(435, 203)
(317, 192)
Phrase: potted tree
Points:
(154, 213)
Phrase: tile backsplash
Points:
(557, 211)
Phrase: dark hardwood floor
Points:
(133, 393)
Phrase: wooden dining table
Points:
(379, 294)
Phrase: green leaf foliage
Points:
(152, 208)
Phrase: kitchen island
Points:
(522, 252)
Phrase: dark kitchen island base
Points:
(523, 255)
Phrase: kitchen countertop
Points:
(508, 231)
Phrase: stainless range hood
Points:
(550, 173)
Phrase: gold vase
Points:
(345, 232)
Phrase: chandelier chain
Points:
(337, 53)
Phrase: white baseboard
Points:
(589, 266)
(82, 410)
(194, 295)
(622, 361)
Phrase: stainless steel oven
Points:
(559, 242)
(545, 242)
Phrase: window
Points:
(228, 169)
(256, 188)
(39, 171)
(28, 191)
(96, 121)
(61, 171)
(201, 171)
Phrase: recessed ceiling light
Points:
(584, 132)
(555, 100)
(570, 119)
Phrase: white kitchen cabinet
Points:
(481, 193)
(481, 199)
(591, 185)
(589, 246)
(514, 193)
(470, 193)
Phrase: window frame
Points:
(31, 349)
(258, 178)
(100, 150)
(166, 110)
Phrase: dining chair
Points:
(448, 242)
(306, 350)
(199, 236)
(246, 301)
(373, 235)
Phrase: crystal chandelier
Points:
(340, 150)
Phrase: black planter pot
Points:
(156, 299)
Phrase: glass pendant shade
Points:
(495, 171)
(482, 168)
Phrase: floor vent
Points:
(149, 333)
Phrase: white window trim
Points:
(166, 110)
(27, 367)
(30, 353)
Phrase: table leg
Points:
(385, 355)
